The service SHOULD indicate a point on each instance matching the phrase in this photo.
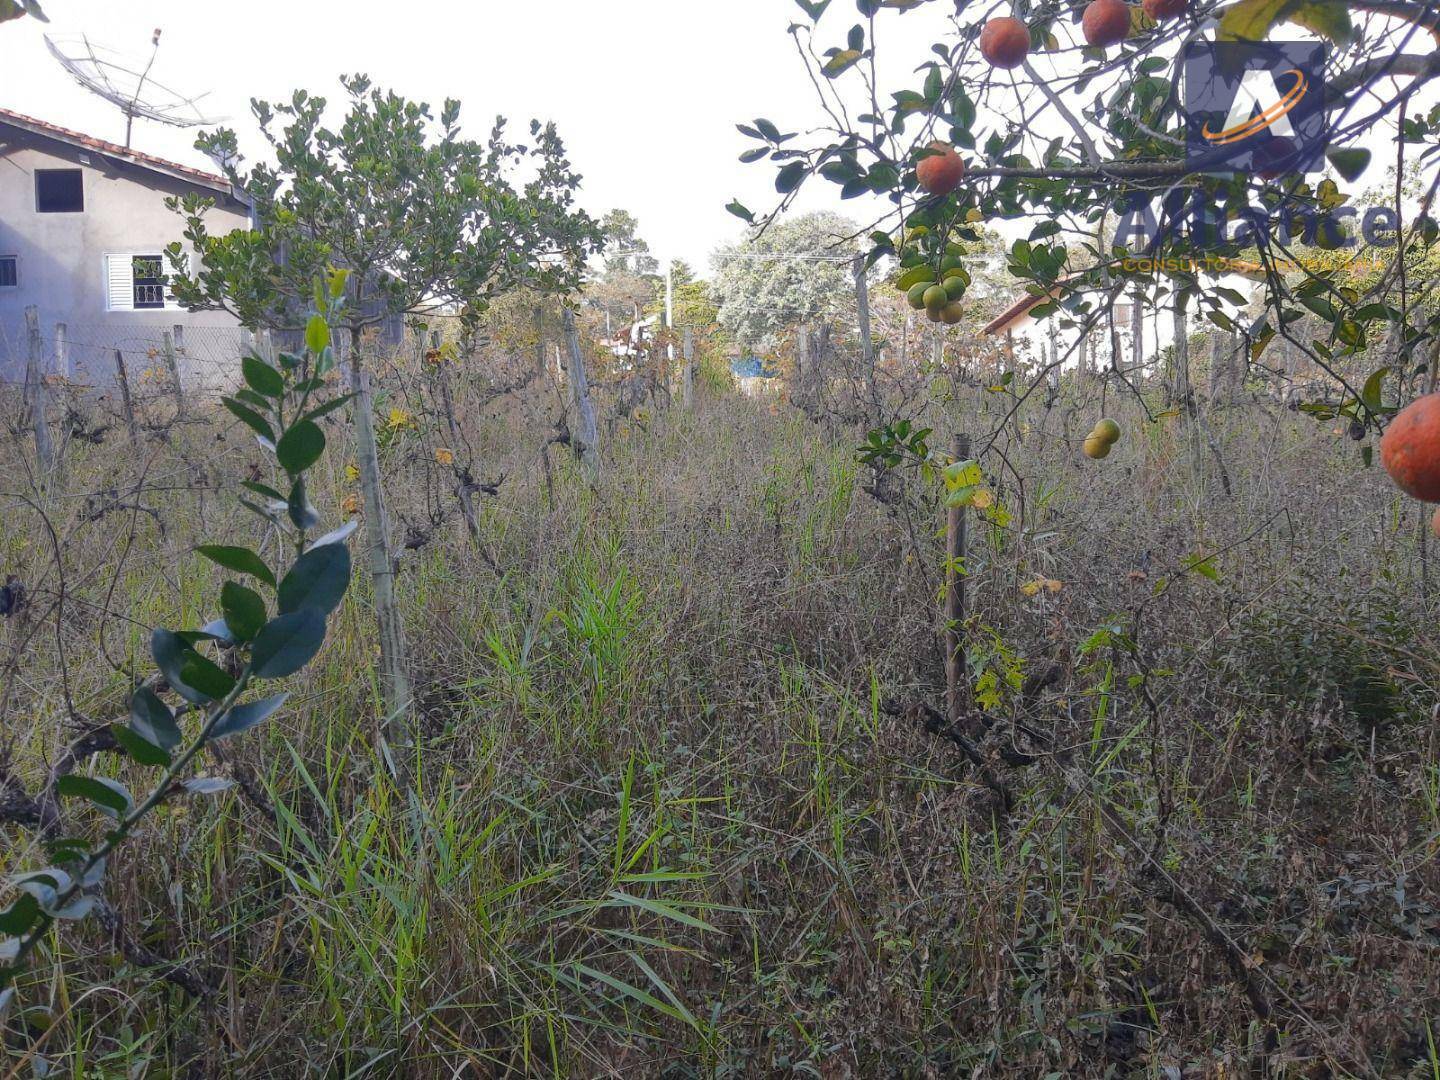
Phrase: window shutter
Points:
(120, 283)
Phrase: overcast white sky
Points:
(646, 93)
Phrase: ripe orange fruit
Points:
(1410, 449)
(1005, 42)
(940, 173)
(1105, 22)
(1160, 10)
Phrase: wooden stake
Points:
(586, 436)
(36, 392)
(540, 341)
(867, 346)
(173, 366)
(123, 381)
(687, 385)
(955, 552)
(394, 658)
(62, 350)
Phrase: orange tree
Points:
(425, 219)
(1090, 140)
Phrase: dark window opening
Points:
(59, 191)
(149, 281)
(9, 272)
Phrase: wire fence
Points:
(205, 359)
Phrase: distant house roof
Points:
(752, 368)
(113, 150)
(1015, 315)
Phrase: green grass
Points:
(663, 824)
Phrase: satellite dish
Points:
(126, 83)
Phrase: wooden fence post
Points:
(36, 392)
(867, 345)
(123, 380)
(687, 383)
(173, 366)
(1137, 332)
(1178, 385)
(802, 367)
(586, 435)
(955, 570)
(394, 653)
(62, 349)
(540, 342)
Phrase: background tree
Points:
(425, 219)
(794, 272)
(625, 249)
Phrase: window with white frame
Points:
(136, 282)
(9, 271)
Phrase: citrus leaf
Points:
(300, 447)
(842, 61)
(138, 747)
(1349, 163)
(109, 795)
(152, 720)
(287, 644)
(261, 377)
(250, 418)
(317, 334)
(318, 580)
(244, 717)
(244, 610)
(241, 560)
(172, 656)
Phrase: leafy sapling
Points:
(272, 622)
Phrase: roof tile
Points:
(77, 138)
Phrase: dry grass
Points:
(667, 825)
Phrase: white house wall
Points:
(61, 261)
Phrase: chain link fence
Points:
(205, 360)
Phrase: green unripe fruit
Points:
(950, 262)
(916, 295)
(954, 287)
(1108, 430)
(1096, 447)
(935, 297)
(952, 313)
